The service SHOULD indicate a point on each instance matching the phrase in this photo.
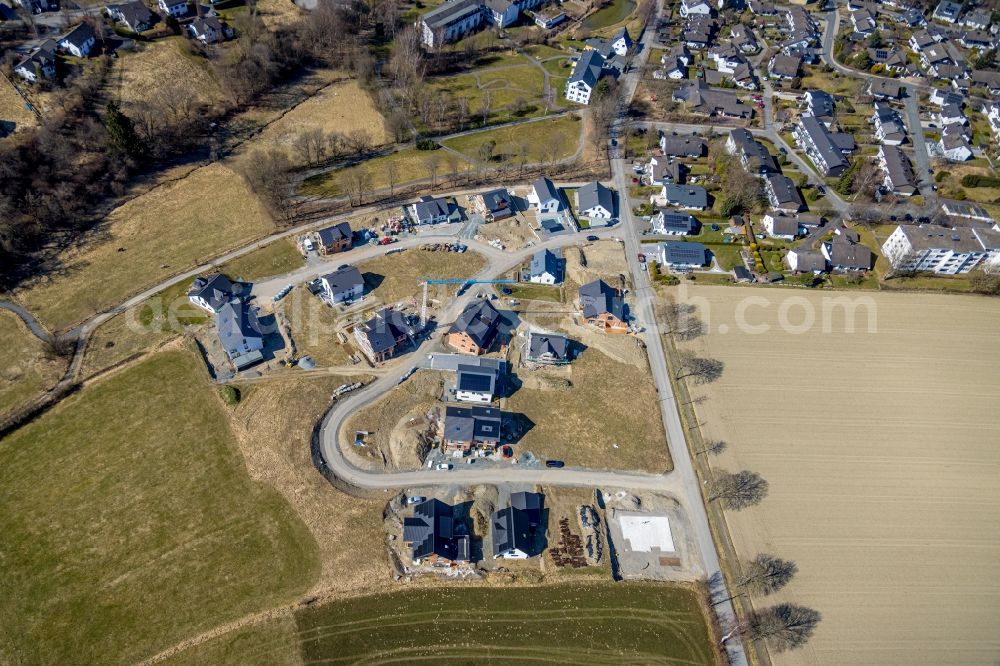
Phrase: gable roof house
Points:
(782, 193)
(450, 21)
(546, 267)
(684, 145)
(978, 18)
(951, 114)
(953, 144)
(343, 285)
(212, 293)
(700, 98)
(779, 225)
(889, 127)
(471, 428)
(885, 89)
(863, 21)
(475, 329)
(476, 383)
(743, 39)
(512, 536)
(698, 32)
(547, 348)
(544, 196)
(335, 239)
(239, 333)
(935, 56)
(947, 11)
(381, 336)
(682, 254)
(133, 15)
(694, 7)
(814, 138)
(39, 64)
(603, 307)
(596, 203)
(899, 176)
(209, 30)
(497, 204)
(784, 66)
(977, 39)
(433, 535)
(665, 170)
(984, 78)
(845, 254)
(79, 41)
(669, 223)
(430, 210)
(175, 8)
(820, 104)
(690, 197)
(753, 155)
(586, 73)
(805, 261)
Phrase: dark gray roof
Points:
(784, 189)
(385, 329)
(429, 208)
(344, 279)
(597, 298)
(463, 424)
(531, 503)
(545, 190)
(678, 222)
(432, 531)
(134, 13)
(511, 530)
(450, 12)
(823, 141)
(850, 255)
(691, 196)
(784, 225)
(588, 68)
(546, 345)
(480, 321)
(236, 323)
(78, 35)
(476, 378)
(497, 201)
(546, 261)
(757, 156)
(215, 289)
(594, 194)
(810, 260)
(683, 252)
(786, 65)
(682, 146)
(821, 103)
(337, 232)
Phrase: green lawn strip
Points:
(527, 291)
(569, 623)
(130, 523)
(614, 12)
(562, 132)
(411, 165)
(271, 643)
(281, 256)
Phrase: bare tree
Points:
(391, 176)
(268, 174)
(433, 163)
(359, 141)
(783, 627)
(704, 370)
(715, 447)
(765, 574)
(737, 491)
(355, 182)
(485, 105)
(59, 346)
(463, 112)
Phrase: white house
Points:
(209, 30)
(954, 145)
(343, 285)
(39, 64)
(621, 42)
(175, 8)
(586, 73)
(545, 197)
(682, 255)
(805, 261)
(670, 223)
(78, 41)
(595, 202)
(935, 249)
(476, 383)
(993, 115)
(695, 8)
(430, 210)
(782, 226)
(545, 268)
(212, 293)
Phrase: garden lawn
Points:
(25, 369)
(411, 165)
(542, 139)
(281, 256)
(130, 523)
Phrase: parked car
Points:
(593, 238)
(443, 466)
(415, 499)
(557, 464)
(642, 258)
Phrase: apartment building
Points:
(935, 249)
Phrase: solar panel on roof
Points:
(473, 382)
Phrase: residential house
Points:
(977, 39)
(337, 238)
(817, 142)
(694, 8)
(993, 116)
(209, 30)
(947, 11)
(699, 32)
(784, 66)
(501, 13)
(939, 97)
(545, 197)
(742, 38)
(863, 21)
(762, 8)
(430, 210)
(911, 18)
(596, 203)
(475, 329)
(987, 79)
(586, 73)
(79, 41)
(899, 176)
(885, 89)
(239, 333)
(665, 170)
(682, 255)
(673, 69)
(700, 98)
(889, 127)
(820, 104)
(753, 155)
(381, 337)
(951, 114)
(678, 53)
(548, 349)
(935, 249)
(546, 267)
(549, 18)
(892, 60)
(175, 8)
(471, 429)
(133, 15)
(979, 18)
(603, 307)
(935, 56)
(780, 225)
(450, 22)
(434, 535)
(515, 527)
(212, 292)
(920, 40)
(344, 285)
(805, 261)
(782, 193)
(690, 197)
(684, 145)
(477, 383)
(843, 253)
(498, 204)
(39, 64)
(954, 144)
(669, 223)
